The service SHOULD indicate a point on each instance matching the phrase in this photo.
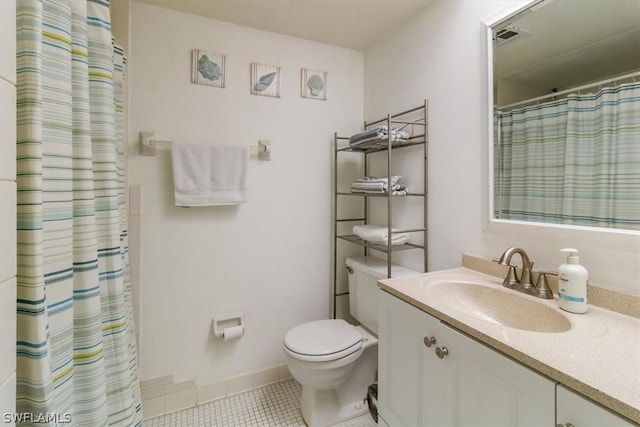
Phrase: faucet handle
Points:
(543, 275)
(542, 289)
(527, 277)
(511, 280)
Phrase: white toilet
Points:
(334, 361)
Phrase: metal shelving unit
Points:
(415, 122)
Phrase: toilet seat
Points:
(322, 340)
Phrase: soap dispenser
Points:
(572, 283)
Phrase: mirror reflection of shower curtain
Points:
(76, 351)
(533, 141)
(497, 165)
(573, 161)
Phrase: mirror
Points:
(565, 95)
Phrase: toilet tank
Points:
(364, 273)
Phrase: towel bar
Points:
(148, 146)
(263, 149)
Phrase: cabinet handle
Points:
(442, 352)
(429, 341)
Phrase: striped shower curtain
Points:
(76, 353)
(572, 161)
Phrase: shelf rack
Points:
(415, 122)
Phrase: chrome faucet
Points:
(513, 281)
(525, 283)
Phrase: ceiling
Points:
(354, 24)
(565, 43)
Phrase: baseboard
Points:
(161, 395)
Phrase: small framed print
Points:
(313, 84)
(265, 80)
(207, 68)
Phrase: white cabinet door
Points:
(401, 332)
(480, 387)
(472, 385)
(575, 409)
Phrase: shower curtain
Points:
(76, 353)
(572, 161)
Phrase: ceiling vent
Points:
(508, 33)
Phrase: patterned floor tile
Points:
(276, 405)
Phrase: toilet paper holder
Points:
(228, 321)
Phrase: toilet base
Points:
(322, 408)
(325, 407)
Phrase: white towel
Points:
(378, 234)
(209, 175)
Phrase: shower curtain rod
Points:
(577, 88)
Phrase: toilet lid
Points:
(327, 339)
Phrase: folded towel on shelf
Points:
(378, 137)
(377, 132)
(402, 191)
(379, 234)
(371, 182)
(378, 143)
(209, 175)
(375, 185)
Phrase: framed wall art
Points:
(313, 84)
(207, 68)
(265, 80)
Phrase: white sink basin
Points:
(499, 306)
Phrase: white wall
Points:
(441, 55)
(510, 91)
(7, 207)
(269, 257)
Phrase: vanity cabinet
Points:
(430, 374)
(575, 410)
(403, 360)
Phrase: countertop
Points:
(599, 356)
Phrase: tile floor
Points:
(272, 405)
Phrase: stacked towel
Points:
(379, 234)
(373, 185)
(378, 137)
(209, 175)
